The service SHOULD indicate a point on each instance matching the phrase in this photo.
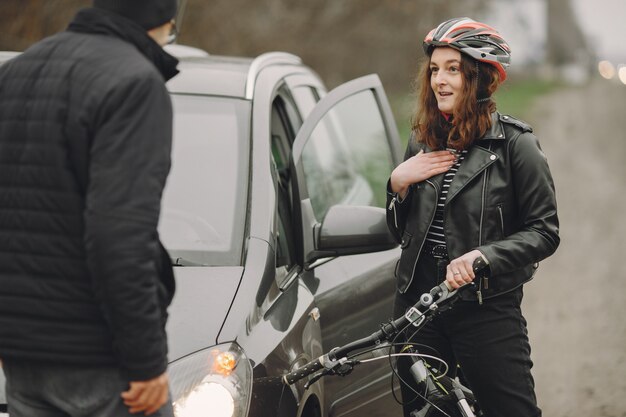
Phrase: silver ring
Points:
(456, 273)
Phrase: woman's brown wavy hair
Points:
(470, 120)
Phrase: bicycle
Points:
(442, 395)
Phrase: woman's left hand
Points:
(460, 271)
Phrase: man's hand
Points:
(147, 396)
(419, 168)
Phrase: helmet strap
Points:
(484, 99)
(476, 78)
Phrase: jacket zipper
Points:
(484, 282)
(501, 219)
(424, 240)
(485, 279)
(392, 206)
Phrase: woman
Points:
(474, 183)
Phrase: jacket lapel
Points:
(437, 180)
(475, 162)
(477, 159)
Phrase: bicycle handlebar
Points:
(387, 332)
(305, 371)
(436, 300)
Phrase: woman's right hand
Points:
(419, 168)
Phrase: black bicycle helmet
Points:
(478, 40)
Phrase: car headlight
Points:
(215, 382)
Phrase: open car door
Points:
(341, 157)
(341, 160)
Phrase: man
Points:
(85, 140)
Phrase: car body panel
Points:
(358, 288)
(200, 292)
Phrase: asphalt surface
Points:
(576, 305)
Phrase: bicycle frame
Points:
(433, 389)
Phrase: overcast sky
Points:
(604, 22)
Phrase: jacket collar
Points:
(497, 130)
(102, 22)
(477, 159)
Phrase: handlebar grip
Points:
(303, 372)
(479, 264)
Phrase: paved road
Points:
(576, 305)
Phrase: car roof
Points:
(6, 55)
(204, 74)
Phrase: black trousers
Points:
(489, 342)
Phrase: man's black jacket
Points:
(501, 202)
(85, 140)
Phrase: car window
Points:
(283, 133)
(204, 202)
(285, 123)
(306, 97)
(347, 160)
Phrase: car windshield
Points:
(204, 202)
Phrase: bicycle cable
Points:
(419, 355)
(430, 348)
(402, 381)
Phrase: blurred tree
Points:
(566, 42)
(24, 22)
(340, 39)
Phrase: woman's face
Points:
(446, 79)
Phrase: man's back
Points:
(85, 141)
(60, 101)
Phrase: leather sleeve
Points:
(537, 237)
(129, 163)
(398, 209)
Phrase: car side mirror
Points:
(351, 230)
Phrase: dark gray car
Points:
(273, 216)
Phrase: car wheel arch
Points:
(312, 407)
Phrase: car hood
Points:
(203, 297)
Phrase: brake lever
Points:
(345, 368)
(341, 369)
(316, 377)
(446, 296)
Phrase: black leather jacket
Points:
(501, 202)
